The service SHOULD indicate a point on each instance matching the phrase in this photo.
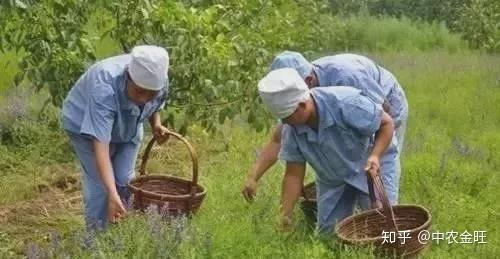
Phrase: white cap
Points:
(149, 66)
(282, 90)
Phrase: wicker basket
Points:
(171, 195)
(308, 203)
(365, 229)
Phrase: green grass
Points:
(8, 66)
(450, 165)
(392, 34)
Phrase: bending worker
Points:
(332, 129)
(103, 116)
(357, 71)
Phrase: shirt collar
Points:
(125, 102)
(325, 115)
(320, 74)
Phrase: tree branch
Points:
(205, 104)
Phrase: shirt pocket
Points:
(353, 145)
(126, 125)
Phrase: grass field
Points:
(450, 165)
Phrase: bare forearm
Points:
(104, 167)
(268, 156)
(291, 189)
(383, 136)
(155, 120)
(266, 159)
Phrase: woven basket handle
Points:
(303, 190)
(192, 152)
(376, 188)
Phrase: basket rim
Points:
(371, 239)
(303, 194)
(166, 196)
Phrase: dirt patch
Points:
(33, 220)
(47, 203)
(67, 183)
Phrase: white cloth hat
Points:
(282, 90)
(149, 66)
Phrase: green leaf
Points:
(20, 4)
(259, 126)
(145, 13)
(223, 114)
(251, 116)
(183, 129)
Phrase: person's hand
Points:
(250, 189)
(286, 223)
(116, 210)
(160, 134)
(372, 166)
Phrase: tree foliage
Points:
(480, 24)
(478, 21)
(219, 49)
(55, 44)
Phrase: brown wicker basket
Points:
(172, 196)
(365, 229)
(308, 203)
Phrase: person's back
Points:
(99, 79)
(338, 149)
(104, 86)
(365, 74)
(348, 62)
(338, 69)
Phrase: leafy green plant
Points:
(219, 49)
(480, 24)
(51, 35)
(478, 21)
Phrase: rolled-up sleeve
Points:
(361, 114)
(290, 151)
(99, 113)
